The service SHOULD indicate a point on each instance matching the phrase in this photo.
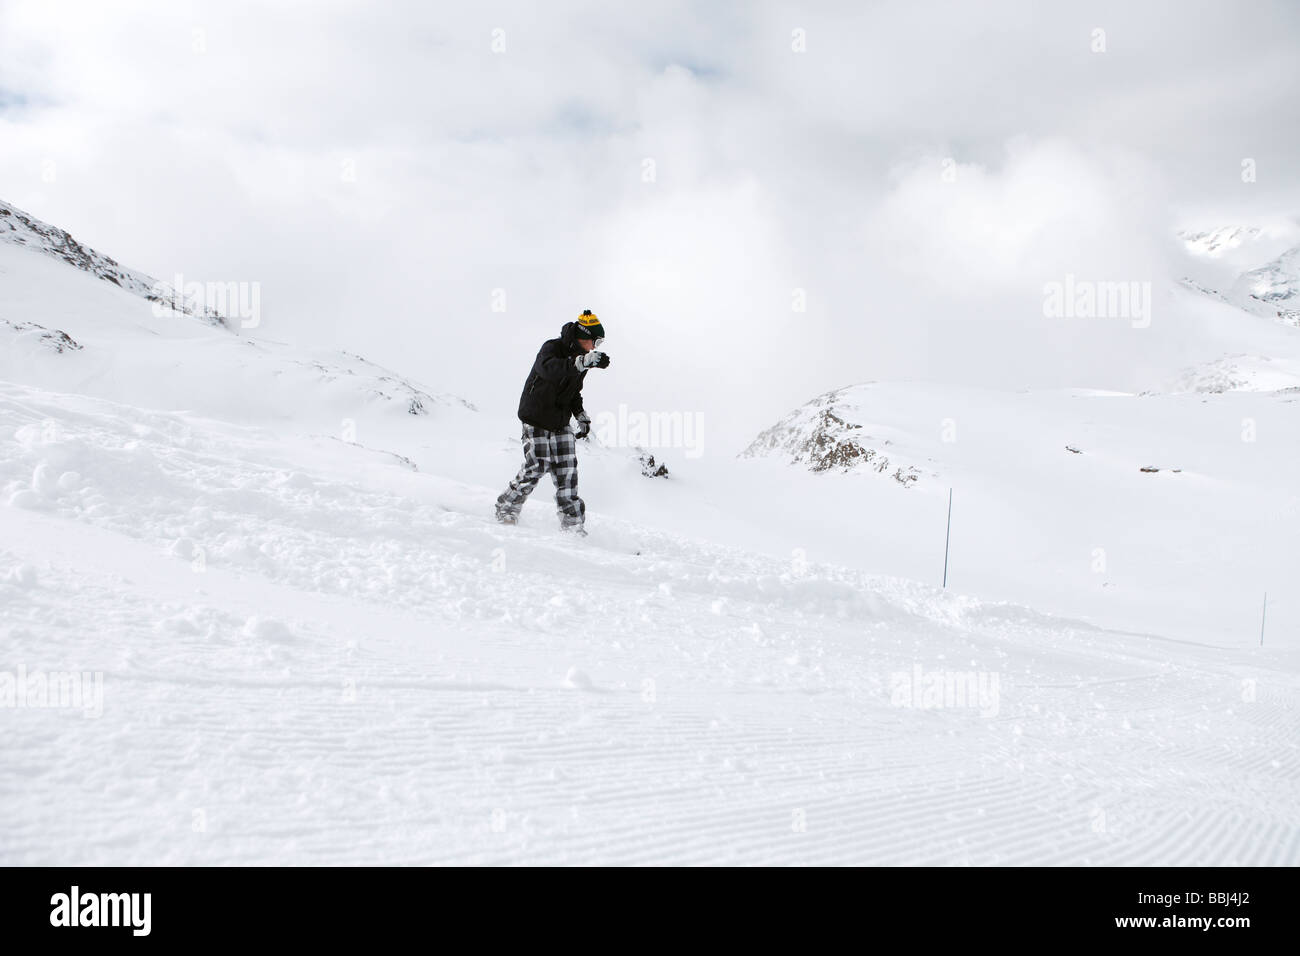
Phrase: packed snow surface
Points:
(254, 610)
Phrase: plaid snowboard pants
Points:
(556, 452)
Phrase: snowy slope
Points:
(67, 328)
(20, 229)
(1240, 373)
(311, 654)
(316, 647)
(1168, 511)
(1273, 288)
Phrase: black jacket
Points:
(553, 391)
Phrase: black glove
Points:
(584, 426)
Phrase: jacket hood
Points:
(569, 336)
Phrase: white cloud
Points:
(380, 170)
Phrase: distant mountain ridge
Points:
(57, 331)
(1270, 290)
(23, 229)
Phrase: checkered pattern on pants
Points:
(556, 452)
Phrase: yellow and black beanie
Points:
(589, 326)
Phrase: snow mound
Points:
(577, 679)
(827, 435)
(347, 372)
(1239, 373)
(28, 336)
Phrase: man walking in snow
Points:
(553, 393)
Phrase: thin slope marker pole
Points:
(1262, 618)
(947, 536)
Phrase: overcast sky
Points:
(918, 170)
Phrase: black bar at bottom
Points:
(335, 906)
